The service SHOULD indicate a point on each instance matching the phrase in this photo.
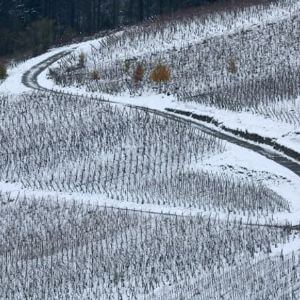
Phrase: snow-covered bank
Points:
(286, 134)
(13, 85)
(283, 133)
(246, 121)
(236, 161)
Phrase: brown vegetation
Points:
(82, 60)
(161, 73)
(95, 75)
(139, 73)
(232, 68)
(3, 72)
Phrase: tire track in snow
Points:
(30, 80)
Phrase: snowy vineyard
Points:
(54, 249)
(102, 200)
(274, 277)
(212, 61)
(75, 144)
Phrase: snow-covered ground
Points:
(195, 31)
(13, 85)
(286, 134)
(236, 161)
(245, 162)
(239, 158)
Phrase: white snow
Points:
(194, 31)
(292, 245)
(283, 132)
(13, 85)
(237, 156)
(287, 134)
(243, 161)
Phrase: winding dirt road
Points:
(30, 80)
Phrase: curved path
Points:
(30, 80)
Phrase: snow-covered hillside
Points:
(111, 189)
(242, 69)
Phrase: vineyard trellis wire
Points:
(266, 59)
(60, 249)
(75, 144)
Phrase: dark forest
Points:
(31, 26)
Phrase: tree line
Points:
(32, 25)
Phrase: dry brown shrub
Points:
(95, 75)
(161, 73)
(139, 73)
(232, 68)
(3, 72)
(82, 60)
